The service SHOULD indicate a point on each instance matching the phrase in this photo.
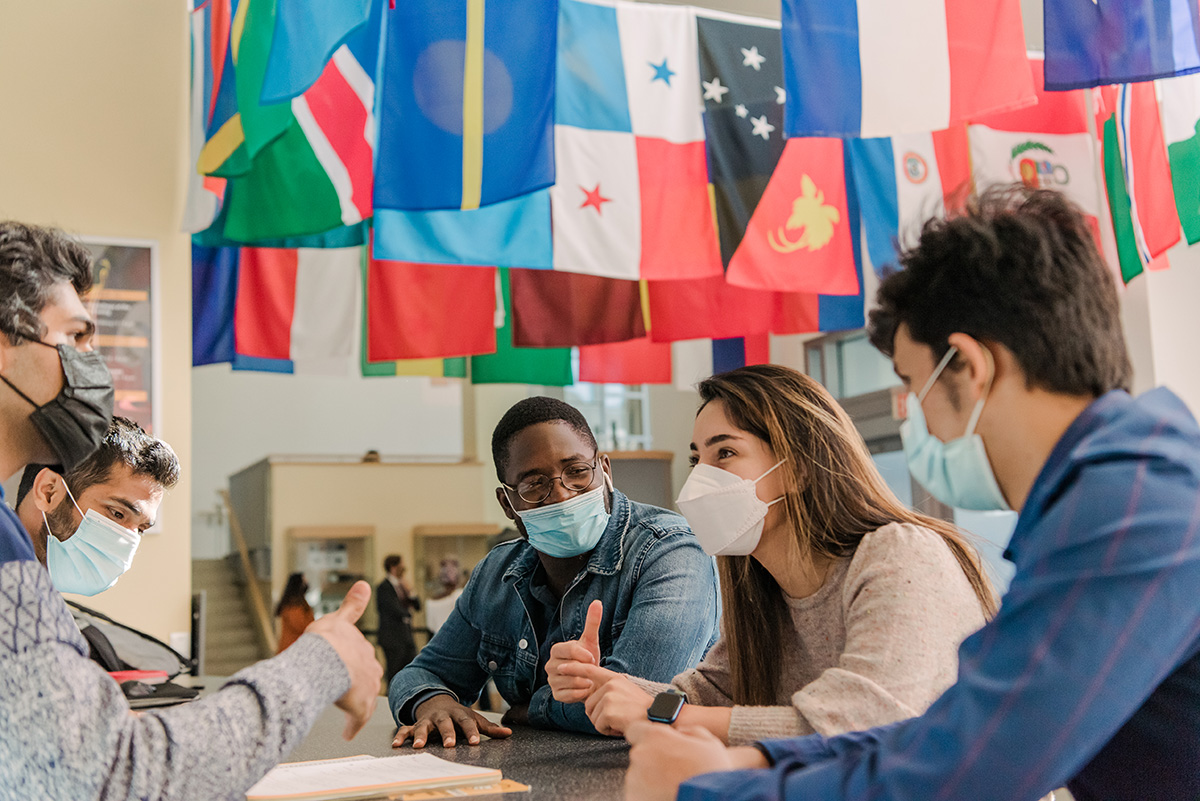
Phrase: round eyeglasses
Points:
(575, 477)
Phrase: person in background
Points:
(582, 542)
(843, 609)
(396, 601)
(1005, 326)
(86, 523)
(438, 608)
(68, 730)
(293, 611)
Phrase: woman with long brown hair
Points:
(842, 608)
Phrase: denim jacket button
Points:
(523, 644)
(492, 665)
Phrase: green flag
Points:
(1119, 205)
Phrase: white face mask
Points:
(724, 510)
(94, 557)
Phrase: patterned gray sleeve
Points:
(68, 732)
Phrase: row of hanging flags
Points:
(410, 190)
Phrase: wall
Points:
(240, 417)
(93, 139)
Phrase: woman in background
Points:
(293, 611)
(843, 609)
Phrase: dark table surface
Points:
(555, 765)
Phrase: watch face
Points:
(665, 707)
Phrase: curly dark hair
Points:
(532, 411)
(125, 443)
(1018, 267)
(33, 260)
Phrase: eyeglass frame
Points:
(594, 466)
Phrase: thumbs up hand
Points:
(568, 661)
(357, 654)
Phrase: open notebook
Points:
(365, 777)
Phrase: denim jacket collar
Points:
(608, 555)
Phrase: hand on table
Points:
(446, 716)
(663, 757)
(357, 655)
(616, 703)
(567, 685)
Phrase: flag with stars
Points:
(741, 77)
(631, 199)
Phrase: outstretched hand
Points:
(357, 655)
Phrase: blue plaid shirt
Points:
(1089, 676)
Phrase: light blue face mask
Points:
(94, 557)
(957, 472)
(569, 528)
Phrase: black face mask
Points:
(75, 421)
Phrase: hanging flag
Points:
(307, 33)
(214, 292)
(204, 193)
(510, 232)
(324, 154)
(904, 180)
(1091, 43)
(866, 68)
(1146, 170)
(513, 365)
(1180, 120)
(554, 309)
(638, 361)
(741, 80)
(798, 239)
(1047, 146)
(420, 311)
(468, 103)
(300, 307)
(730, 354)
(631, 197)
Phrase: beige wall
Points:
(93, 127)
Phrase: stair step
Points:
(247, 654)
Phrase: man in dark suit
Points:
(396, 602)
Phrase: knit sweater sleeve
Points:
(75, 736)
(908, 606)
(707, 684)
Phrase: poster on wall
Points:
(124, 304)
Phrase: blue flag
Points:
(467, 103)
(214, 292)
(1125, 41)
(307, 32)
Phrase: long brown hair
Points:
(834, 496)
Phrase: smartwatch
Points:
(666, 706)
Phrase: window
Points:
(618, 414)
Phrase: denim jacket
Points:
(660, 617)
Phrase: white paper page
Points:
(361, 771)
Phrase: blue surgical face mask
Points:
(94, 557)
(957, 472)
(569, 528)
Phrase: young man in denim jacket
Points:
(581, 542)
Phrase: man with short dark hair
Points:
(122, 482)
(1004, 325)
(627, 580)
(67, 729)
(395, 602)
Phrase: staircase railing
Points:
(260, 611)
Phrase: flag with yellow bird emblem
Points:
(798, 239)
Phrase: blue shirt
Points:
(660, 617)
(14, 541)
(1088, 676)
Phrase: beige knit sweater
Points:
(876, 644)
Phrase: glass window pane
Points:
(863, 369)
(990, 530)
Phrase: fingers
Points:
(358, 715)
(466, 722)
(421, 732)
(355, 602)
(491, 729)
(565, 653)
(591, 629)
(402, 734)
(445, 726)
(598, 676)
